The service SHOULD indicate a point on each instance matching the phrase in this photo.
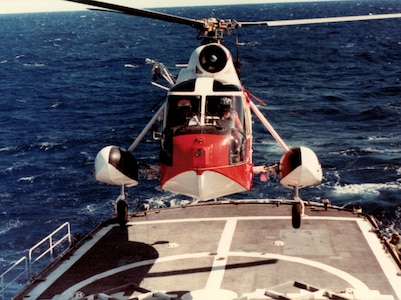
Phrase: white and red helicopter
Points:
(206, 134)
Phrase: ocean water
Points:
(74, 82)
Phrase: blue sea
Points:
(74, 82)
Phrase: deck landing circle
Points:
(354, 282)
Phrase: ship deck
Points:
(227, 251)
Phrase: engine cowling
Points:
(300, 168)
(117, 166)
(213, 58)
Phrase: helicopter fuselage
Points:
(206, 142)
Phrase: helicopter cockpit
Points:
(224, 112)
(219, 115)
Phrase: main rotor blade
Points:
(320, 20)
(142, 13)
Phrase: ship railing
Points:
(48, 245)
(51, 244)
(16, 271)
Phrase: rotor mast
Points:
(213, 29)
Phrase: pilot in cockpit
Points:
(227, 113)
(185, 113)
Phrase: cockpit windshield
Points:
(225, 111)
(219, 115)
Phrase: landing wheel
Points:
(296, 215)
(122, 212)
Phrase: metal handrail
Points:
(3, 285)
(52, 245)
(29, 261)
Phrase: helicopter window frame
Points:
(186, 86)
(219, 86)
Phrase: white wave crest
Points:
(34, 65)
(366, 189)
(47, 145)
(27, 178)
(4, 228)
(130, 66)
(9, 148)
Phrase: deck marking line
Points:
(239, 219)
(389, 268)
(220, 261)
(353, 281)
(69, 293)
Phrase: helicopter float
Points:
(206, 134)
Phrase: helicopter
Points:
(206, 133)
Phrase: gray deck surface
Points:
(234, 247)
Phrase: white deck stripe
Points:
(389, 268)
(219, 264)
(239, 219)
